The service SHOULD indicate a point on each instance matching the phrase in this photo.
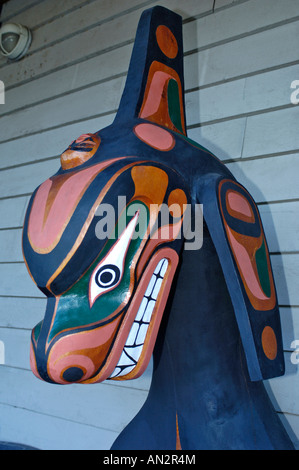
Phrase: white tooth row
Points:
(135, 341)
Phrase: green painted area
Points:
(200, 147)
(36, 330)
(174, 107)
(73, 308)
(262, 268)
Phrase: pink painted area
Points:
(239, 204)
(45, 231)
(245, 266)
(155, 93)
(155, 136)
(73, 351)
(84, 363)
(33, 362)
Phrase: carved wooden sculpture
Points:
(220, 335)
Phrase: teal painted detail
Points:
(36, 330)
(262, 268)
(73, 308)
(192, 142)
(174, 107)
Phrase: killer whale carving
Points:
(210, 315)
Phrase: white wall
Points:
(240, 60)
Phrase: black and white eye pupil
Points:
(107, 276)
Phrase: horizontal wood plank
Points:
(224, 3)
(116, 62)
(13, 7)
(241, 97)
(49, 143)
(15, 281)
(224, 139)
(69, 79)
(243, 17)
(12, 212)
(11, 245)
(243, 56)
(272, 132)
(50, 433)
(95, 42)
(242, 20)
(21, 313)
(286, 272)
(283, 387)
(281, 224)
(100, 99)
(24, 180)
(91, 42)
(19, 357)
(291, 424)
(263, 177)
(53, 20)
(290, 327)
(93, 15)
(107, 410)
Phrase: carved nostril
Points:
(73, 374)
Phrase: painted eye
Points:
(107, 276)
(109, 272)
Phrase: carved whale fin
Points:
(154, 89)
(236, 230)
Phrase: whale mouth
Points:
(133, 347)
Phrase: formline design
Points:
(209, 316)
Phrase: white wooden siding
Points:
(240, 60)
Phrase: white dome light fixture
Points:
(15, 40)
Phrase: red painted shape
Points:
(246, 267)
(54, 204)
(155, 94)
(154, 136)
(239, 207)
